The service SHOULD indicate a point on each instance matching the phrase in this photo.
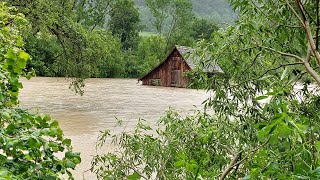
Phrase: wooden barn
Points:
(171, 72)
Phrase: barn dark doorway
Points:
(175, 78)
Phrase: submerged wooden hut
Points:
(171, 71)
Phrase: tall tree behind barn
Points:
(171, 72)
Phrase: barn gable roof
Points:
(186, 52)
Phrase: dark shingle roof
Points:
(186, 52)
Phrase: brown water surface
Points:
(82, 117)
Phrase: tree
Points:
(105, 49)
(177, 16)
(147, 56)
(264, 119)
(124, 23)
(28, 142)
(93, 13)
(56, 21)
(159, 10)
(203, 29)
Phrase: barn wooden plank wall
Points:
(169, 73)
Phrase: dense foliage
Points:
(100, 38)
(29, 143)
(262, 121)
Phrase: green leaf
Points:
(302, 128)
(10, 54)
(67, 142)
(315, 173)
(32, 142)
(2, 158)
(134, 176)
(54, 124)
(182, 155)
(10, 128)
(45, 131)
(318, 146)
(24, 56)
(263, 133)
(70, 164)
(46, 118)
(21, 63)
(283, 130)
(179, 164)
(74, 156)
(261, 98)
(192, 167)
(284, 74)
(5, 115)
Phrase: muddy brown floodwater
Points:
(82, 117)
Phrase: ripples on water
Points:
(82, 117)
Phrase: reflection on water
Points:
(81, 117)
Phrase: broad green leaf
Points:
(263, 133)
(67, 142)
(74, 156)
(179, 164)
(134, 176)
(284, 131)
(5, 115)
(46, 118)
(182, 155)
(70, 164)
(45, 131)
(54, 124)
(10, 128)
(24, 56)
(32, 142)
(10, 54)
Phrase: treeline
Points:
(218, 11)
(104, 38)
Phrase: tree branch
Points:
(318, 23)
(308, 57)
(312, 72)
(230, 167)
(282, 65)
(309, 34)
(283, 53)
(273, 69)
(294, 12)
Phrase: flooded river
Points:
(82, 117)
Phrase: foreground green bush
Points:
(29, 143)
(264, 120)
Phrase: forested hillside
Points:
(218, 11)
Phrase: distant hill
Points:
(217, 11)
